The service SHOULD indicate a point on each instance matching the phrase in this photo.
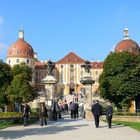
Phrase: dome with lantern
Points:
(20, 51)
(20, 48)
(127, 44)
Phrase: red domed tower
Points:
(127, 44)
(20, 51)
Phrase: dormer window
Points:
(18, 52)
(77, 59)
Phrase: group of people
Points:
(43, 114)
(56, 109)
(73, 106)
(97, 112)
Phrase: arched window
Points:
(71, 66)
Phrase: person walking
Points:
(97, 112)
(72, 110)
(26, 113)
(43, 114)
(65, 107)
(59, 109)
(77, 110)
(109, 114)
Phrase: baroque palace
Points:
(68, 70)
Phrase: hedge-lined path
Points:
(67, 129)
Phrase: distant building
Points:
(68, 70)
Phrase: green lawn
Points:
(6, 124)
(17, 122)
(135, 125)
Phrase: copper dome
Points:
(20, 48)
(127, 45)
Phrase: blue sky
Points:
(90, 28)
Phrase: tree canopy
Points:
(5, 79)
(120, 79)
(20, 88)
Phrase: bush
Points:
(34, 112)
(10, 114)
(126, 114)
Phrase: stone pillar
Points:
(87, 82)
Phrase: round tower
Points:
(20, 51)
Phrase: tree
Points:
(20, 89)
(120, 79)
(5, 79)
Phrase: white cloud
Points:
(1, 20)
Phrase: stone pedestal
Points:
(89, 115)
(88, 82)
(49, 81)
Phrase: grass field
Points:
(17, 122)
(135, 125)
(6, 124)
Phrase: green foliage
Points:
(120, 80)
(20, 89)
(10, 114)
(5, 79)
(34, 112)
(23, 70)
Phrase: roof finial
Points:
(126, 33)
(21, 33)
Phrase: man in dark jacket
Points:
(73, 110)
(109, 113)
(26, 113)
(97, 112)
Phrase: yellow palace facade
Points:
(68, 72)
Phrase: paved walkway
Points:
(67, 129)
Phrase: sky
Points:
(54, 28)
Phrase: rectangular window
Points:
(71, 76)
(96, 72)
(81, 74)
(17, 61)
(27, 61)
(61, 77)
(96, 80)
